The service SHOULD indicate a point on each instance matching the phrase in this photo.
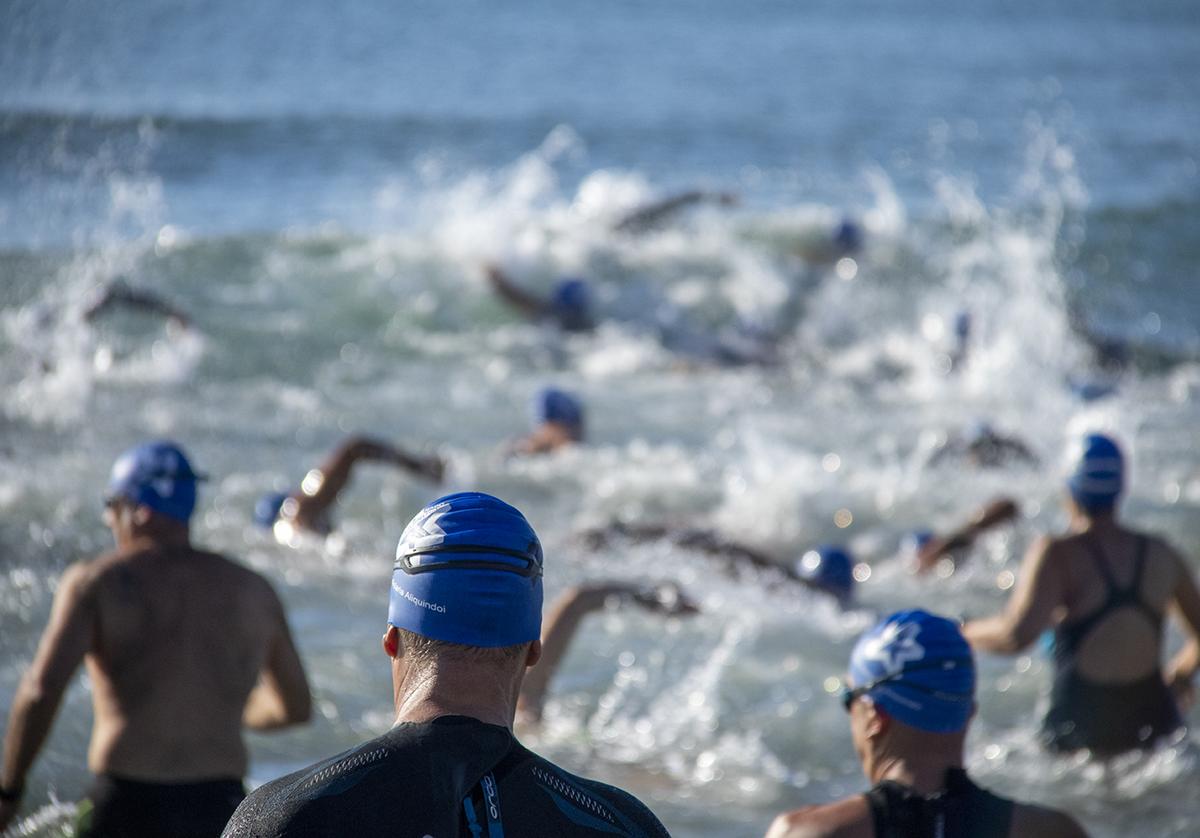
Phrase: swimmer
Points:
(118, 294)
(1105, 590)
(183, 648)
(309, 508)
(569, 307)
(463, 626)
(828, 569)
(932, 548)
(568, 612)
(982, 446)
(910, 696)
(656, 214)
(558, 422)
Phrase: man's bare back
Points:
(184, 649)
(180, 638)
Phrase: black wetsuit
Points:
(454, 776)
(961, 810)
(120, 808)
(1107, 718)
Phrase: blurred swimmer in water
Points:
(558, 422)
(910, 697)
(309, 508)
(982, 446)
(828, 569)
(565, 616)
(1105, 590)
(570, 305)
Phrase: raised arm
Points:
(67, 639)
(119, 294)
(281, 697)
(516, 296)
(563, 621)
(654, 214)
(322, 485)
(1030, 609)
(993, 514)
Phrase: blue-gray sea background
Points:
(318, 183)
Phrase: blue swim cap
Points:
(847, 236)
(1097, 473)
(918, 668)
(831, 568)
(571, 304)
(554, 405)
(157, 475)
(468, 570)
(962, 324)
(915, 540)
(266, 509)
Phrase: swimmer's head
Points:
(1097, 473)
(156, 475)
(468, 570)
(571, 304)
(918, 668)
(829, 567)
(558, 406)
(268, 507)
(847, 236)
(912, 542)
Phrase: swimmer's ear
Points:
(878, 720)
(534, 654)
(391, 641)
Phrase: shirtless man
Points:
(309, 507)
(183, 648)
(1105, 590)
(910, 697)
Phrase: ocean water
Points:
(318, 184)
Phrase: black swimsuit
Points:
(961, 810)
(120, 808)
(1107, 718)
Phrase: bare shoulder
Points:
(236, 573)
(848, 818)
(1041, 822)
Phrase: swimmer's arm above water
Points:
(67, 639)
(563, 621)
(119, 294)
(281, 697)
(653, 214)
(994, 514)
(528, 304)
(322, 485)
(1030, 610)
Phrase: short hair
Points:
(427, 650)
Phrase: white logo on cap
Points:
(895, 646)
(423, 531)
